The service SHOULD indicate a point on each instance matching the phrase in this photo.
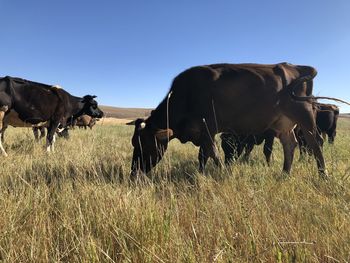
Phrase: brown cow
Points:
(326, 122)
(85, 121)
(235, 98)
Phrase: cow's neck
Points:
(77, 109)
(161, 117)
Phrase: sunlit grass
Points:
(77, 205)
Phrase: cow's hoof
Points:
(323, 174)
(283, 176)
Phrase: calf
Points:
(85, 121)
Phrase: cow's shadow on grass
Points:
(20, 146)
(181, 172)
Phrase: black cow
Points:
(326, 122)
(235, 98)
(25, 103)
(234, 144)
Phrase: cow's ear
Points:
(164, 134)
(131, 122)
(88, 98)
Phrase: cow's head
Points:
(149, 144)
(90, 107)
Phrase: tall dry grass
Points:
(77, 205)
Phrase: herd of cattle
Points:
(247, 103)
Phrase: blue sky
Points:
(128, 52)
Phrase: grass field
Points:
(76, 205)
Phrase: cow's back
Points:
(29, 102)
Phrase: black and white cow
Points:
(25, 103)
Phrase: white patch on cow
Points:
(3, 109)
(13, 119)
(142, 125)
(53, 143)
(2, 116)
(50, 147)
(56, 86)
(59, 130)
(2, 148)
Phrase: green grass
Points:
(76, 205)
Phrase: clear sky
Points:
(128, 52)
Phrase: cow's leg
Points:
(2, 128)
(289, 143)
(206, 151)
(36, 133)
(50, 138)
(248, 149)
(3, 133)
(235, 151)
(332, 132)
(202, 158)
(268, 145)
(331, 136)
(42, 132)
(239, 149)
(231, 147)
(312, 140)
(1, 146)
(302, 148)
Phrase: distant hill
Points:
(133, 113)
(125, 113)
(345, 115)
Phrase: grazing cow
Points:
(25, 103)
(233, 145)
(85, 121)
(326, 122)
(235, 98)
